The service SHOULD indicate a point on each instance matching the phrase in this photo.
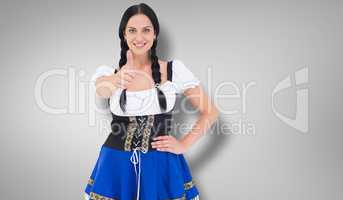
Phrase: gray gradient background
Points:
(47, 156)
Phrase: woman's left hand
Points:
(169, 143)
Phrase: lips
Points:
(139, 45)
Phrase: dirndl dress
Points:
(128, 168)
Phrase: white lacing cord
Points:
(136, 159)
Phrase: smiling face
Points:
(139, 34)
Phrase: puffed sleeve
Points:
(183, 78)
(102, 70)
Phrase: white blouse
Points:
(145, 102)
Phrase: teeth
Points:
(139, 45)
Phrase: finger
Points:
(129, 58)
(127, 78)
(120, 86)
(167, 138)
(122, 83)
(161, 146)
(163, 137)
(129, 73)
(164, 149)
(161, 142)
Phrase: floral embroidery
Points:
(189, 185)
(138, 132)
(147, 132)
(95, 196)
(131, 128)
(90, 182)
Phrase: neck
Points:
(141, 61)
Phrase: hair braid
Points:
(122, 62)
(156, 75)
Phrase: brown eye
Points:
(132, 30)
(146, 30)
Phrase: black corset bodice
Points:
(136, 132)
(133, 132)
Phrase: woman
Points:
(141, 159)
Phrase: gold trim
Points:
(188, 185)
(184, 198)
(95, 196)
(90, 182)
(131, 128)
(147, 132)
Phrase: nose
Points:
(139, 37)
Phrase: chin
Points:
(140, 51)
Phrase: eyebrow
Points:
(143, 27)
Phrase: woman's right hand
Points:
(105, 85)
(125, 76)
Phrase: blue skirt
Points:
(130, 175)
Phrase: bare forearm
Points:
(201, 126)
